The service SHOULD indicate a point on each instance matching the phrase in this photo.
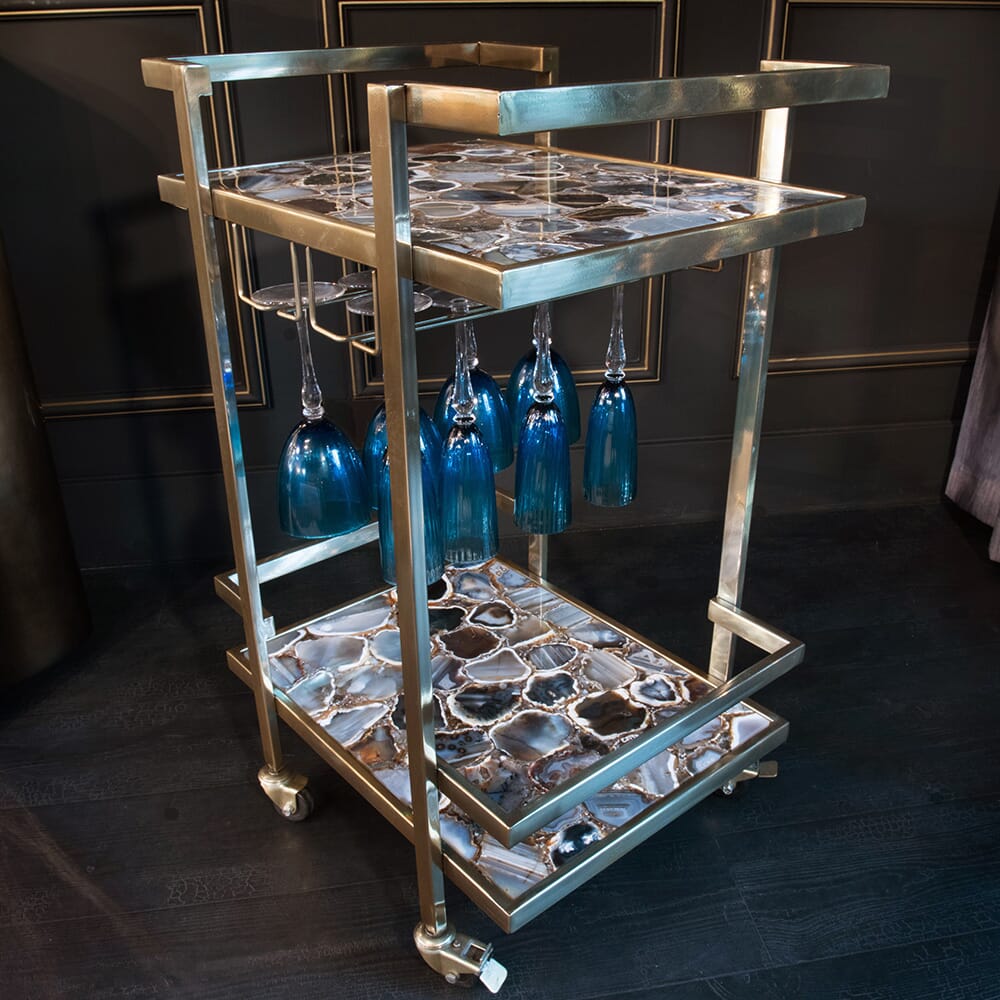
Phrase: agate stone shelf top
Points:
(529, 689)
(487, 216)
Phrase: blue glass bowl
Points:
(542, 492)
(377, 441)
(468, 498)
(322, 486)
(610, 456)
(490, 411)
(520, 397)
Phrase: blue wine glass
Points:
(433, 541)
(377, 441)
(610, 457)
(492, 418)
(468, 494)
(542, 490)
(322, 487)
(520, 385)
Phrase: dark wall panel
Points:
(929, 164)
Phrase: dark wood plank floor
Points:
(139, 859)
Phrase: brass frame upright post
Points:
(190, 83)
(387, 127)
(760, 284)
(440, 945)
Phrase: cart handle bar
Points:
(513, 112)
(165, 73)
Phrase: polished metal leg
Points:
(758, 308)
(387, 116)
(451, 954)
(194, 86)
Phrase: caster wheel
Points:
(304, 806)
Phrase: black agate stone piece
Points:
(609, 714)
(470, 642)
(573, 840)
(445, 619)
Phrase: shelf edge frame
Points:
(526, 284)
(517, 912)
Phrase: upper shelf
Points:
(509, 225)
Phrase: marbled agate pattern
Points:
(519, 710)
(508, 204)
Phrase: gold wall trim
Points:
(363, 380)
(958, 353)
(76, 409)
(920, 357)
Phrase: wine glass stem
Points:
(464, 400)
(614, 360)
(312, 397)
(471, 346)
(544, 376)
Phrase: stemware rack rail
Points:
(501, 853)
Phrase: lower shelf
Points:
(350, 711)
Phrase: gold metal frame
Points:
(363, 384)
(84, 408)
(389, 248)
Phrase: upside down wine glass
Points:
(542, 495)
(492, 418)
(322, 487)
(520, 386)
(611, 454)
(433, 545)
(377, 442)
(468, 494)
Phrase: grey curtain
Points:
(974, 481)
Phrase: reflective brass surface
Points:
(514, 112)
(387, 128)
(760, 285)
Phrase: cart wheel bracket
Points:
(460, 958)
(286, 790)
(762, 769)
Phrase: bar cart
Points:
(520, 740)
